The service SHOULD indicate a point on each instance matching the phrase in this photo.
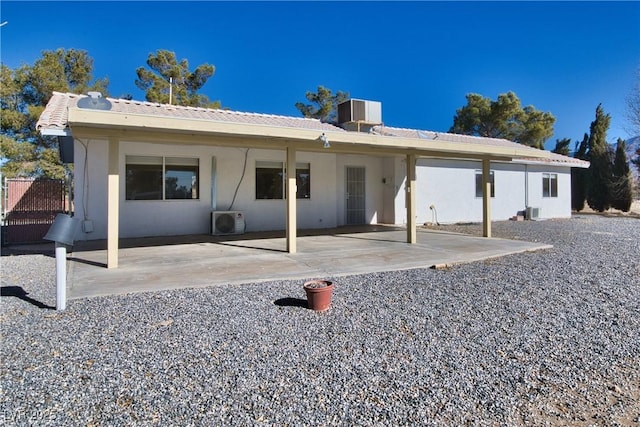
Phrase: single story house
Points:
(147, 169)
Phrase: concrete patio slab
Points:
(200, 261)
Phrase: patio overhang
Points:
(161, 129)
(167, 124)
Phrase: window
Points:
(549, 185)
(271, 176)
(145, 176)
(479, 184)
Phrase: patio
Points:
(151, 264)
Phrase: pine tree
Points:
(324, 104)
(599, 176)
(167, 76)
(622, 182)
(24, 93)
(562, 146)
(504, 118)
(579, 177)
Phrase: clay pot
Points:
(318, 294)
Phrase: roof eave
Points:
(118, 121)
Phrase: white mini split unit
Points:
(227, 222)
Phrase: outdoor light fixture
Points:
(325, 141)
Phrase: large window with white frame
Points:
(549, 185)
(271, 180)
(479, 183)
(161, 178)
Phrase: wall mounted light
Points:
(325, 141)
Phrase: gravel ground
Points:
(545, 338)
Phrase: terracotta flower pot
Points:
(318, 294)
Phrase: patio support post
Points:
(291, 200)
(486, 197)
(113, 203)
(411, 198)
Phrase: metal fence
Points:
(29, 207)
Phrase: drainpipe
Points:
(526, 186)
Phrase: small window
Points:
(161, 178)
(271, 180)
(479, 184)
(549, 185)
(303, 181)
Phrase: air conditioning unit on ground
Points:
(227, 222)
(533, 213)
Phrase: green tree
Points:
(562, 146)
(622, 181)
(166, 72)
(324, 104)
(579, 176)
(24, 93)
(599, 176)
(503, 118)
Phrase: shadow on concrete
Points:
(88, 262)
(141, 242)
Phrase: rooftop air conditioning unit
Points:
(533, 213)
(227, 222)
(360, 111)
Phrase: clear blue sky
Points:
(418, 58)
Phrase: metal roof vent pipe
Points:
(358, 115)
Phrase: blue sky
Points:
(418, 58)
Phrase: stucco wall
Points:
(448, 185)
(138, 218)
(552, 207)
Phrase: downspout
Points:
(526, 186)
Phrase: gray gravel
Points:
(545, 338)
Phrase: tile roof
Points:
(442, 136)
(451, 137)
(558, 158)
(55, 116)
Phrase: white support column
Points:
(410, 196)
(486, 197)
(113, 203)
(61, 277)
(291, 201)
